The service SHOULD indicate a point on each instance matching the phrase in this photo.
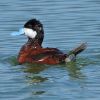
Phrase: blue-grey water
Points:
(67, 23)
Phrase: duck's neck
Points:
(36, 42)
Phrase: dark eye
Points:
(30, 26)
(38, 27)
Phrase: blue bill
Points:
(20, 32)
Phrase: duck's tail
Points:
(72, 54)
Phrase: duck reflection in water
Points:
(74, 70)
(33, 73)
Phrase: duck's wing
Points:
(45, 54)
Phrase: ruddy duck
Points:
(33, 52)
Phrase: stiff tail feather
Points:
(72, 54)
(79, 49)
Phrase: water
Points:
(66, 24)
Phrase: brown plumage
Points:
(33, 52)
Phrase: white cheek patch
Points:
(30, 33)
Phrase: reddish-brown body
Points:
(37, 54)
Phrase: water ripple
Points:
(66, 24)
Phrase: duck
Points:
(33, 51)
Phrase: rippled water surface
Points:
(66, 23)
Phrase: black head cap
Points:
(34, 24)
